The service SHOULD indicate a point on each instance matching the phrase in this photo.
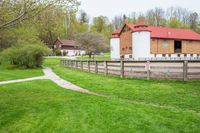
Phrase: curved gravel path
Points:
(49, 74)
(63, 83)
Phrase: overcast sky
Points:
(111, 8)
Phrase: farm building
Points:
(69, 47)
(140, 41)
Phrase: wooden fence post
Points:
(148, 69)
(106, 67)
(76, 64)
(61, 62)
(67, 64)
(81, 65)
(185, 70)
(122, 68)
(88, 66)
(96, 67)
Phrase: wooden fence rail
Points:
(180, 70)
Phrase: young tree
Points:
(92, 43)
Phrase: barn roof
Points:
(116, 33)
(165, 33)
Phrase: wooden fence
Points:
(179, 70)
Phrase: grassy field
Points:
(8, 72)
(132, 105)
(106, 56)
(41, 106)
(177, 94)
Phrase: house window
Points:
(197, 55)
(130, 48)
(153, 40)
(122, 49)
(179, 55)
(163, 55)
(191, 55)
(130, 56)
(169, 55)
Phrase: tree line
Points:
(33, 20)
(173, 17)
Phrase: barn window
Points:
(177, 46)
(165, 44)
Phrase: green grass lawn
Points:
(8, 72)
(106, 56)
(177, 94)
(132, 105)
(41, 106)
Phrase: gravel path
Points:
(65, 84)
(22, 80)
(49, 74)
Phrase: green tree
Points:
(174, 23)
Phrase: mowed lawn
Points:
(131, 105)
(106, 56)
(175, 94)
(41, 106)
(8, 72)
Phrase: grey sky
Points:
(111, 8)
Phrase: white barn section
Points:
(115, 48)
(141, 45)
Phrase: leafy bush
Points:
(58, 52)
(25, 55)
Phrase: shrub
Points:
(57, 52)
(25, 55)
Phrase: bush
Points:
(58, 52)
(25, 55)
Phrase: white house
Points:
(69, 47)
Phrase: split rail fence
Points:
(179, 70)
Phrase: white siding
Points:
(141, 45)
(115, 48)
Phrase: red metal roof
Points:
(116, 33)
(166, 33)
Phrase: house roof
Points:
(165, 33)
(66, 42)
